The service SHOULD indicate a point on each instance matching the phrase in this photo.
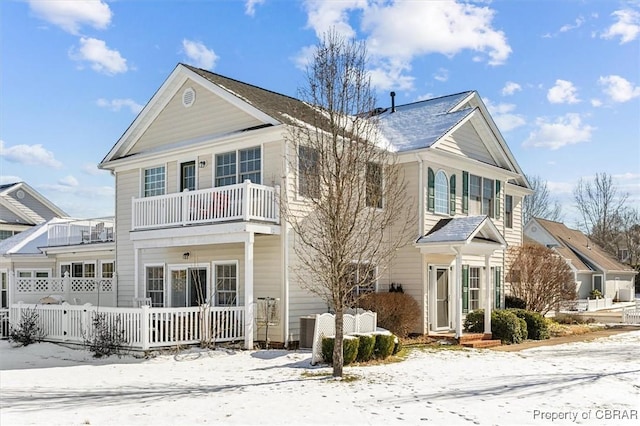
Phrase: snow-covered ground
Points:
(586, 383)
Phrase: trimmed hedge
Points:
(537, 328)
(349, 349)
(514, 302)
(385, 343)
(365, 347)
(505, 325)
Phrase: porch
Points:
(144, 328)
(80, 232)
(241, 202)
(97, 291)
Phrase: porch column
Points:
(248, 292)
(136, 273)
(458, 294)
(488, 297)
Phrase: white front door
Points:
(442, 298)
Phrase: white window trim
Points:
(237, 151)
(112, 261)
(164, 284)
(141, 178)
(33, 272)
(214, 279)
(298, 195)
(185, 267)
(377, 276)
(448, 193)
(179, 163)
(593, 282)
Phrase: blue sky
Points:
(561, 78)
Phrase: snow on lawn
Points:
(586, 383)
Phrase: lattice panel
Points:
(106, 286)
(83, 285)
(23, 286)
(365, 322)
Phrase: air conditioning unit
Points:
(625, 295)
(307, 328)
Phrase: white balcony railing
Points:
(246, 201)
(80, 232)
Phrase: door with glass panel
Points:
(188, 287)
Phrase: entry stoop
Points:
(478, 341)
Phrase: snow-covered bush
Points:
(107, 337)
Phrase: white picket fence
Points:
(143, 328)
(325, 326)
(632, 315)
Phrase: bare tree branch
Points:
(539, 204)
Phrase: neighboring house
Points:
(73, 260)
(593, 268)
(200, 172)
(22, 207)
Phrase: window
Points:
(33, 274)
(441, 193)
(6, 234)
(308, 172)
(154, 181)
(188, 176)
(250, 167)
(188, 287)
(474, 289)
(155, 285)
(374, 185)
(597, 283)
(362, 276)
(623, 255)
(481, 194)
(107, 269)
(4, 290)
(226, 284)
(508, 211)
(78, 270)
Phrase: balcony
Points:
(241, 202)
(80, 232)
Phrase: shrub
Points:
(28, 329)
(514, 302)
(397, 312)
(505, 325)
(349, 349)
(536, 325)
(397, 347)
(384, 346)
(365, 347)
(595, 294)
(107, 337)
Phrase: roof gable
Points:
(26, 205)
(463, 230)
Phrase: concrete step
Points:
(477, 344)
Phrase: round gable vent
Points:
(188, 97)
(20, 194)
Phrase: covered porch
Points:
(461, 274)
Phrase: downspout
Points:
(420, 196)
(423, 267)
(284, 239)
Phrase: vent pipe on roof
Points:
(393, 101)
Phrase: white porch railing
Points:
(80, 232)
(246, 201)
(144, 328)
(582, 305)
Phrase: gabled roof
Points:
(583, 253)
(461, 231)
(26, 242)
(27, 214)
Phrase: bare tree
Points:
(601, 208)
(539, 204)
(629, 235)
(540, 277)
(355, 213)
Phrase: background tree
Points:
(355, 215)
(540, 277)
(539, 204)
(602, 211)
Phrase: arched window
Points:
(441, 193)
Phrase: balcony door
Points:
(188, 286)
(188, 176)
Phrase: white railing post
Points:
(276, 202)
(245, 200)
(134, 218)
(66, 285)
(144, 327)
(184, 205)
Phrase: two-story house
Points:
(201, 170)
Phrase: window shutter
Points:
(498, 286)
(452, 195)
(498, 198)
(431, 181)
(465, 192)
(465, 289)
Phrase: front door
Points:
(442, 298)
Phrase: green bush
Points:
(28, 330)
(397, 347)
(365, 347)
(384, 345)
(595, 294)
(396, 312)
(514, 302)
(505, 325)
(537, 328)
(349, 349)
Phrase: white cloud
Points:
(627, 26)
(565, 130)
(563, 92)
(71, 15)
(596, 103)
(557, 188)
(510, 88)
(118, 104)
(442, 74)
(503, 115)
(250, 6)
(93, 170)
(101, 58)
(29, 155)
(568, 27)
(618, 88)
(390, 78)
(10, 179)
(199, 55)
(397, 32)
(69, 181)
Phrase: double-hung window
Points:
(154, 281)
(482, 199)
(362, 279)
(237, 166)
(226, 284)
(508, 211)
(374, 185)
(308, 172)
(474, 289)
(154, 181)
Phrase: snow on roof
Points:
(25, 242)
(452, 230)
(420, 124)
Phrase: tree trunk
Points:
(338, 358)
